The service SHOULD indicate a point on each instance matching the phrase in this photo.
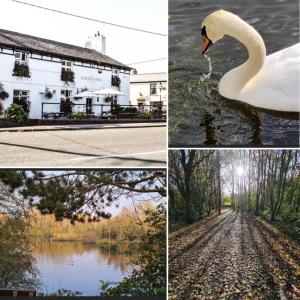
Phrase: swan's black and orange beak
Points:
(206, 41)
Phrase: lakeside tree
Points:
(17, 265)
(150, 278)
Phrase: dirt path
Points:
(231, 256)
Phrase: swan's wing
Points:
(277, 83)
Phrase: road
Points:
(231, 256)
(108, 147)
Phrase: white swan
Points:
(270, 82)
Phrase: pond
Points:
(200, 116)
(79, 266)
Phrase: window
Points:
(65, 94)
(21, 97)
(66, 65)
(115, 71)
(153, 88)
(21, 56)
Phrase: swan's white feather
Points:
(276, 86)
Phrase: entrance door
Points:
(89, 103)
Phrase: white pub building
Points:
(48, 73)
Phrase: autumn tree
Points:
(17, 265)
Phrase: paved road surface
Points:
(231, 256)
(113, 147)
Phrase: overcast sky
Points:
(124, 45)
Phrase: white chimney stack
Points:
(103, 40)
(97, 42)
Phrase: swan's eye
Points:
(203, 31)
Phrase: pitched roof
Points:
(148, 77)
(27, 42)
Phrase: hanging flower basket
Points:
(21, 70)
(3, 95)
(108, 99)
(67, 76)
(48, 95)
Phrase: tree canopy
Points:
(264, 182)
(75, 194)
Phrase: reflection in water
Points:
(79, 266)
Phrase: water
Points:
(198, 115)
(79, 267)
(206, 76)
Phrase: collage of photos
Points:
(150, 150)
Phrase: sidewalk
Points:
(81, 127)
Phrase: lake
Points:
(79, 266)
(201, 117)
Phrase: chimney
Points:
(97, 42)
(103, 40)
(89, 44)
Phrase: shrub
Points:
(67, 76)
(24, 103)
(131, 109)
(3, 95)
(117, 109)
(78, 115)
(21, 70)
(16, 113)
(1, 108)
(145, 115)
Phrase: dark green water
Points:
(198, 115)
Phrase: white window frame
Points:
(22, 56)
(21, 94)
(153, 85)
(65, 94)
(115, 72)
(67, 65)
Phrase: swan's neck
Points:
(250, 38)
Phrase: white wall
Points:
(144, 88)
(47, 74)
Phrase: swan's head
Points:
(212, 29)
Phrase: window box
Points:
(115, 80)
(21, 69)
(67, 75)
